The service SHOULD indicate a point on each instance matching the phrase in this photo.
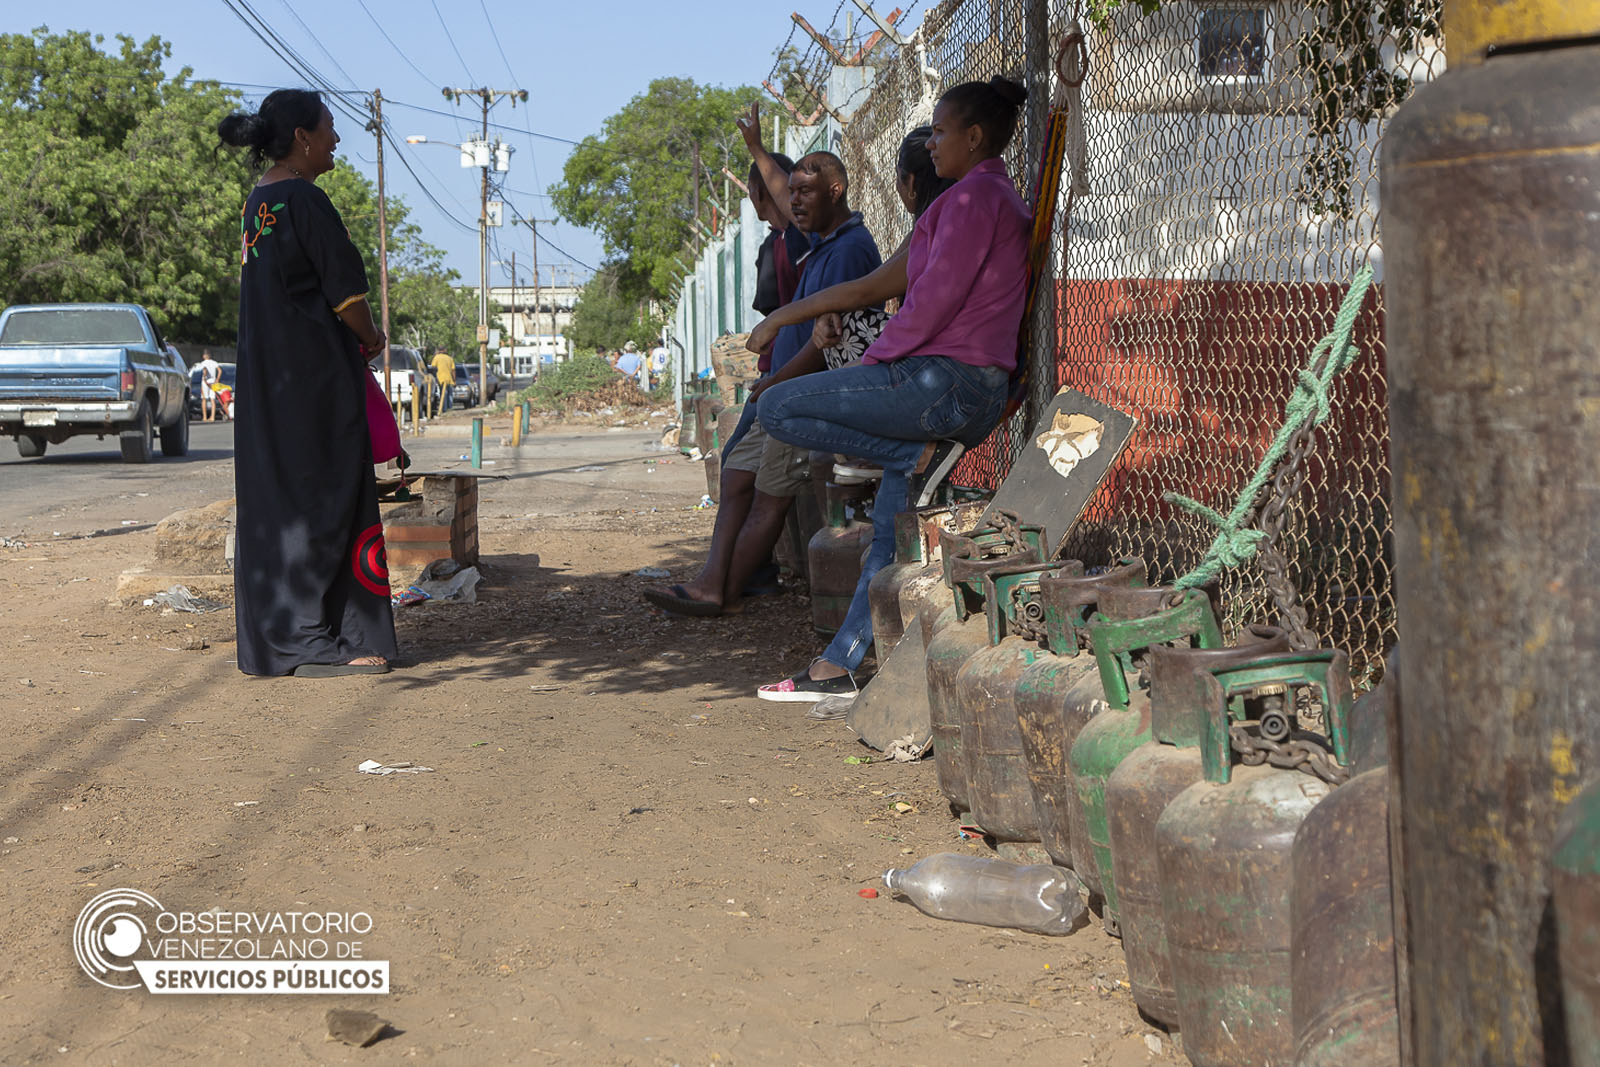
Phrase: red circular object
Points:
(868, 893)
(369, 561)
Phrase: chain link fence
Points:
(1220, 192)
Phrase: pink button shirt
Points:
(966, 274)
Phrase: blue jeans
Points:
(885, 412)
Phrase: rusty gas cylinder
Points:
(833, 559)
(1575, 890)
(1126, 624)
(923, 594)
(883, 592)
(1140, 789)
(1041, 697)
(917, 572)
(986, 691)
(1224, 850)
(1342, 947)
(965, 557)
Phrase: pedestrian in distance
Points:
(444, 370)
(311, 580)
(936, 380)
(210, 378)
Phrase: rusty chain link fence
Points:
(1220, 191)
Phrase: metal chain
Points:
(1293, 755)
(1009, 524)
(1026, 617)
(1287, 482)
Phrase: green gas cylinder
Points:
(1575, 889)
(965, 558)
(1138, 791)
(1046, 731)
(1224, 850)
(1126, 625)
(986, 698)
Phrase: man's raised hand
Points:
(750, 125)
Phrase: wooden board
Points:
(1063, 463)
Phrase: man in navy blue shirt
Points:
(842, 250)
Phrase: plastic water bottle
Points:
(991, 892)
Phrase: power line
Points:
(398, 51)
(445, 26)
(316, 41)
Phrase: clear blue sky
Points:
(580, 63)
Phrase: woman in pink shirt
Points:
(935, 381)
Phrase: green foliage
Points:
(425, 310)
(560, 384)
(635, 182)
(1352, 83)
(116, 190)
(1100, 11)
(113, 192)
(614, 307)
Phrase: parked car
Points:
(229, 376)
(406, 368)
(467, 390)
(68, 370)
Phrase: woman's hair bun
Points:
(242, 129)
(1011, 92)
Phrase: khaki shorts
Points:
(781, 470)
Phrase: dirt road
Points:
(620, 855)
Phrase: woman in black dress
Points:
(311, 588)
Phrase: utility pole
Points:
(533, 224)
(514, 321)
(376, 126)
(487, 98)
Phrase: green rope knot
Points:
(1308, 403)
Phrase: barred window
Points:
(1232, 43)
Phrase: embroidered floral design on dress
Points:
(265, 220)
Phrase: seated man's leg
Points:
(784, 472)
(741, 458)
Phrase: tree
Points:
(116, 190)
(635, 182)
(113, 190)
(614, 308)
(425, 310)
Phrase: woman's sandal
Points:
(802, 688)
(339, 670)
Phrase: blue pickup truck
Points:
(72, 369)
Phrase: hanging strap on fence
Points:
(1066, 100)
(1236, 542)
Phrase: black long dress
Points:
(310, 575)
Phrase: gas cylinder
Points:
(1126, 624)
(883, 592)
(986, 695)
(1041, 693)
(917, 561)
(923, 592)
(1342, 939)
(1138, 791)
(689, 425)
(965, 558)
(1224, 852)
(1575, 888)
(833, 559)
